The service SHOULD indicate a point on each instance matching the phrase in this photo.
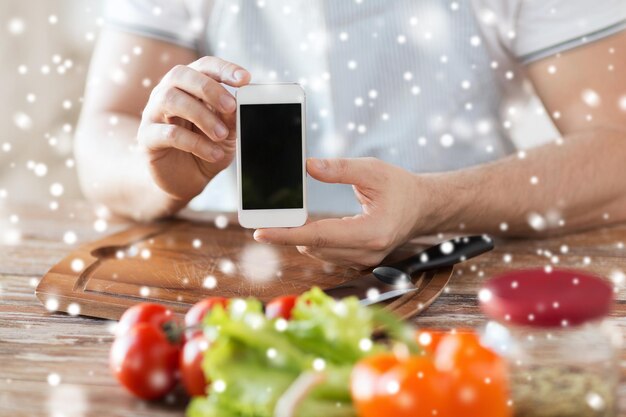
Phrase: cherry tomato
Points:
(382, 385)
(478, 375)
(281, 307)
(196, 314)
(191, 372)
(155, 314)
(144, 361)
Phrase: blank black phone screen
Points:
(271, 156)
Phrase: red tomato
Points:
(191, 371)
(155, 314)
(281, 307)
(478, 376)
(196, 314)
(144, 361)
(382, 385)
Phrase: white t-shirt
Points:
(419, 84)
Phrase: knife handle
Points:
(445, 254)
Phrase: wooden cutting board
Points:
(182, 261)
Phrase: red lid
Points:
(534, 297)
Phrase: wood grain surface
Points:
(38, 346)
(179, 262)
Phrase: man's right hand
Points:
(188, 125)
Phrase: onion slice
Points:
(288, 403)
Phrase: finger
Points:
(358, 171)
(157, 136)
(347, 232)
(230, 120)
(203, 87)
(177, 103)
(349, 258)
(222, 71)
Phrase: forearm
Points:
(114, 172)
(553, 189)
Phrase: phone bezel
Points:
(278, 93)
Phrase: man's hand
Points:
(391, 199)
(188, 125)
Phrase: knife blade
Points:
(390, 281)
(369, 290)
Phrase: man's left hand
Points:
(393, 203)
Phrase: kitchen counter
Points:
(54, 364)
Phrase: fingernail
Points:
(320, 164)
(227, 102)
(217, 154)
(239, 74)
(258, 237)
(220, 130)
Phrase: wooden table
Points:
(37, 346)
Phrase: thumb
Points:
(357, 171)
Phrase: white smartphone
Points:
(271, 155)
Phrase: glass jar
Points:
(562, 353)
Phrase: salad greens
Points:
(252, 360)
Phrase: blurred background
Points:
(45, 47)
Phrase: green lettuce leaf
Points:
(252, 360)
